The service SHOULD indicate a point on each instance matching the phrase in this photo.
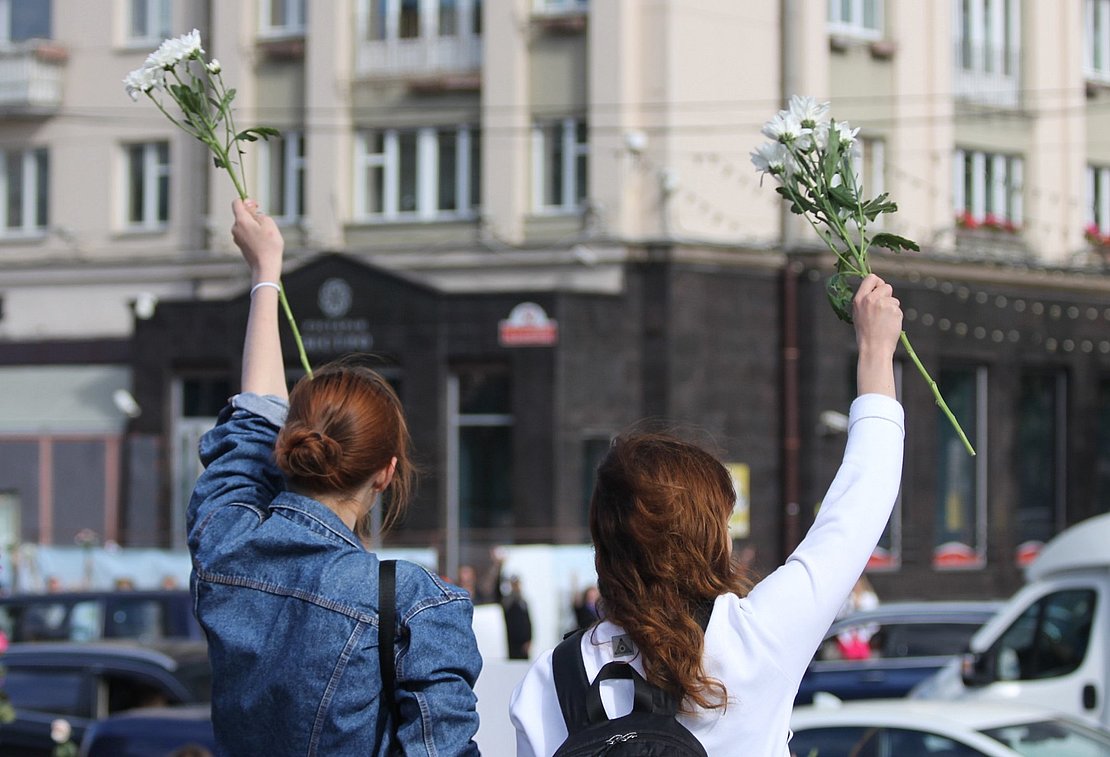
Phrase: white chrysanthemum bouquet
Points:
(811, 157)
(178, 71)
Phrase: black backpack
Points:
(650, 730)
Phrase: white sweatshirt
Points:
(758, 646)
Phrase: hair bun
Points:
(308, 453)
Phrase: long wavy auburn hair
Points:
(659, 523)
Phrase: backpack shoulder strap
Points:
(571, 684)
(387, 621)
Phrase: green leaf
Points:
(798, 204)
(842, 197)
(832, 153)
(839, 292)
(219, 163)
(255, 133)
(894, 242)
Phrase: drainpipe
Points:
(791, 441)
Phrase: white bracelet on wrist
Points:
(261, 284)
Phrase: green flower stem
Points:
(936, 392)
(296, 332)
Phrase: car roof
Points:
(934, 612)
(1081, 546)
(170, 654)
(975, 715)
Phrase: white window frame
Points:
(293, 25)
(572, 151)
(291, 146)
(428, 13)
(869, 164)
(1004, 194)
(153, 171)
(29, 193)
(159, 15)
(987, 57)
(1096, 40)
(855, 24)
(427, 175)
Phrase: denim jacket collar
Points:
(314, 514)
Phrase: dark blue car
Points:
(906, 643)
(185, 731)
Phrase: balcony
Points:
(31, 77)
(419, 56)
(987, 75)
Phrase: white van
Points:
(1050, 643)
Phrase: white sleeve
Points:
(793, 607)
(535, 713)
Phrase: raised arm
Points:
(878, 320)
(262, 246)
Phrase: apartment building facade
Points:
(540, 217)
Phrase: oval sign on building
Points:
(527, 326)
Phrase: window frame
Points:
(294, 23)
(159, 23)
(571, 151)
(997, 185)
(28, 193)
(560, 7)
(152, 174)
(1096, 40)
(426, 181)
(290, 151)
(855, 24)
(428, 21)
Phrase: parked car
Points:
(92, 615)
(152, 731)
(917, 728)
(1049, 645)
(909, 641)
(84, 682)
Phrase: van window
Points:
(1048, 640)
(59, 692)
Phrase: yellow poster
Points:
(739, 524)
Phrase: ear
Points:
(385, 476)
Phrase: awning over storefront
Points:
(60, 399)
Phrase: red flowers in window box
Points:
(967, 220)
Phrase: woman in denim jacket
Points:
(284, 588)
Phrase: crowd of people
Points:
(276, 529)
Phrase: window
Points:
(866, 741)
(1048, 640)
(869, 164)
(148, 21)
(58, 691)
(281, 175)
(148, 185)
(559, 154)
(1102, 448)
(1041, 459)
(1096, 39)
(987, 36)
(1098, 202)
(21, 20)
(425, 173)
(383, 20)
(280, 18)
(856, 18)
(960, 520)
(561, 6)
(25, 192)
(987, 190)
(483, 422)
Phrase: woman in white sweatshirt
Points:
(659, 524)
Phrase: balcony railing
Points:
(31, 76)
(420, 56)
(987, 74)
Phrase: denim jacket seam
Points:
(428, 603)
(332, 687)
(285, 591)
(326, 526)
(198, 530)
(425, 724)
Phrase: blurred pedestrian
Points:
(518, 622)
(586, 611)
(286, 591)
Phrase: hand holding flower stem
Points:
(810, 155)
(206, 114)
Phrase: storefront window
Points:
(959, 540)
(1040, 462)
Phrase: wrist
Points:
(265, 274)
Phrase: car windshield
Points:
(1052, 738)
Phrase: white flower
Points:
(784, 127)
(772, 158)
(808, 111)
(213, 67)
(142, 80)
(846, 132)
(60, 731)
(175, 49)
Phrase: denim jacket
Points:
(288, 597)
